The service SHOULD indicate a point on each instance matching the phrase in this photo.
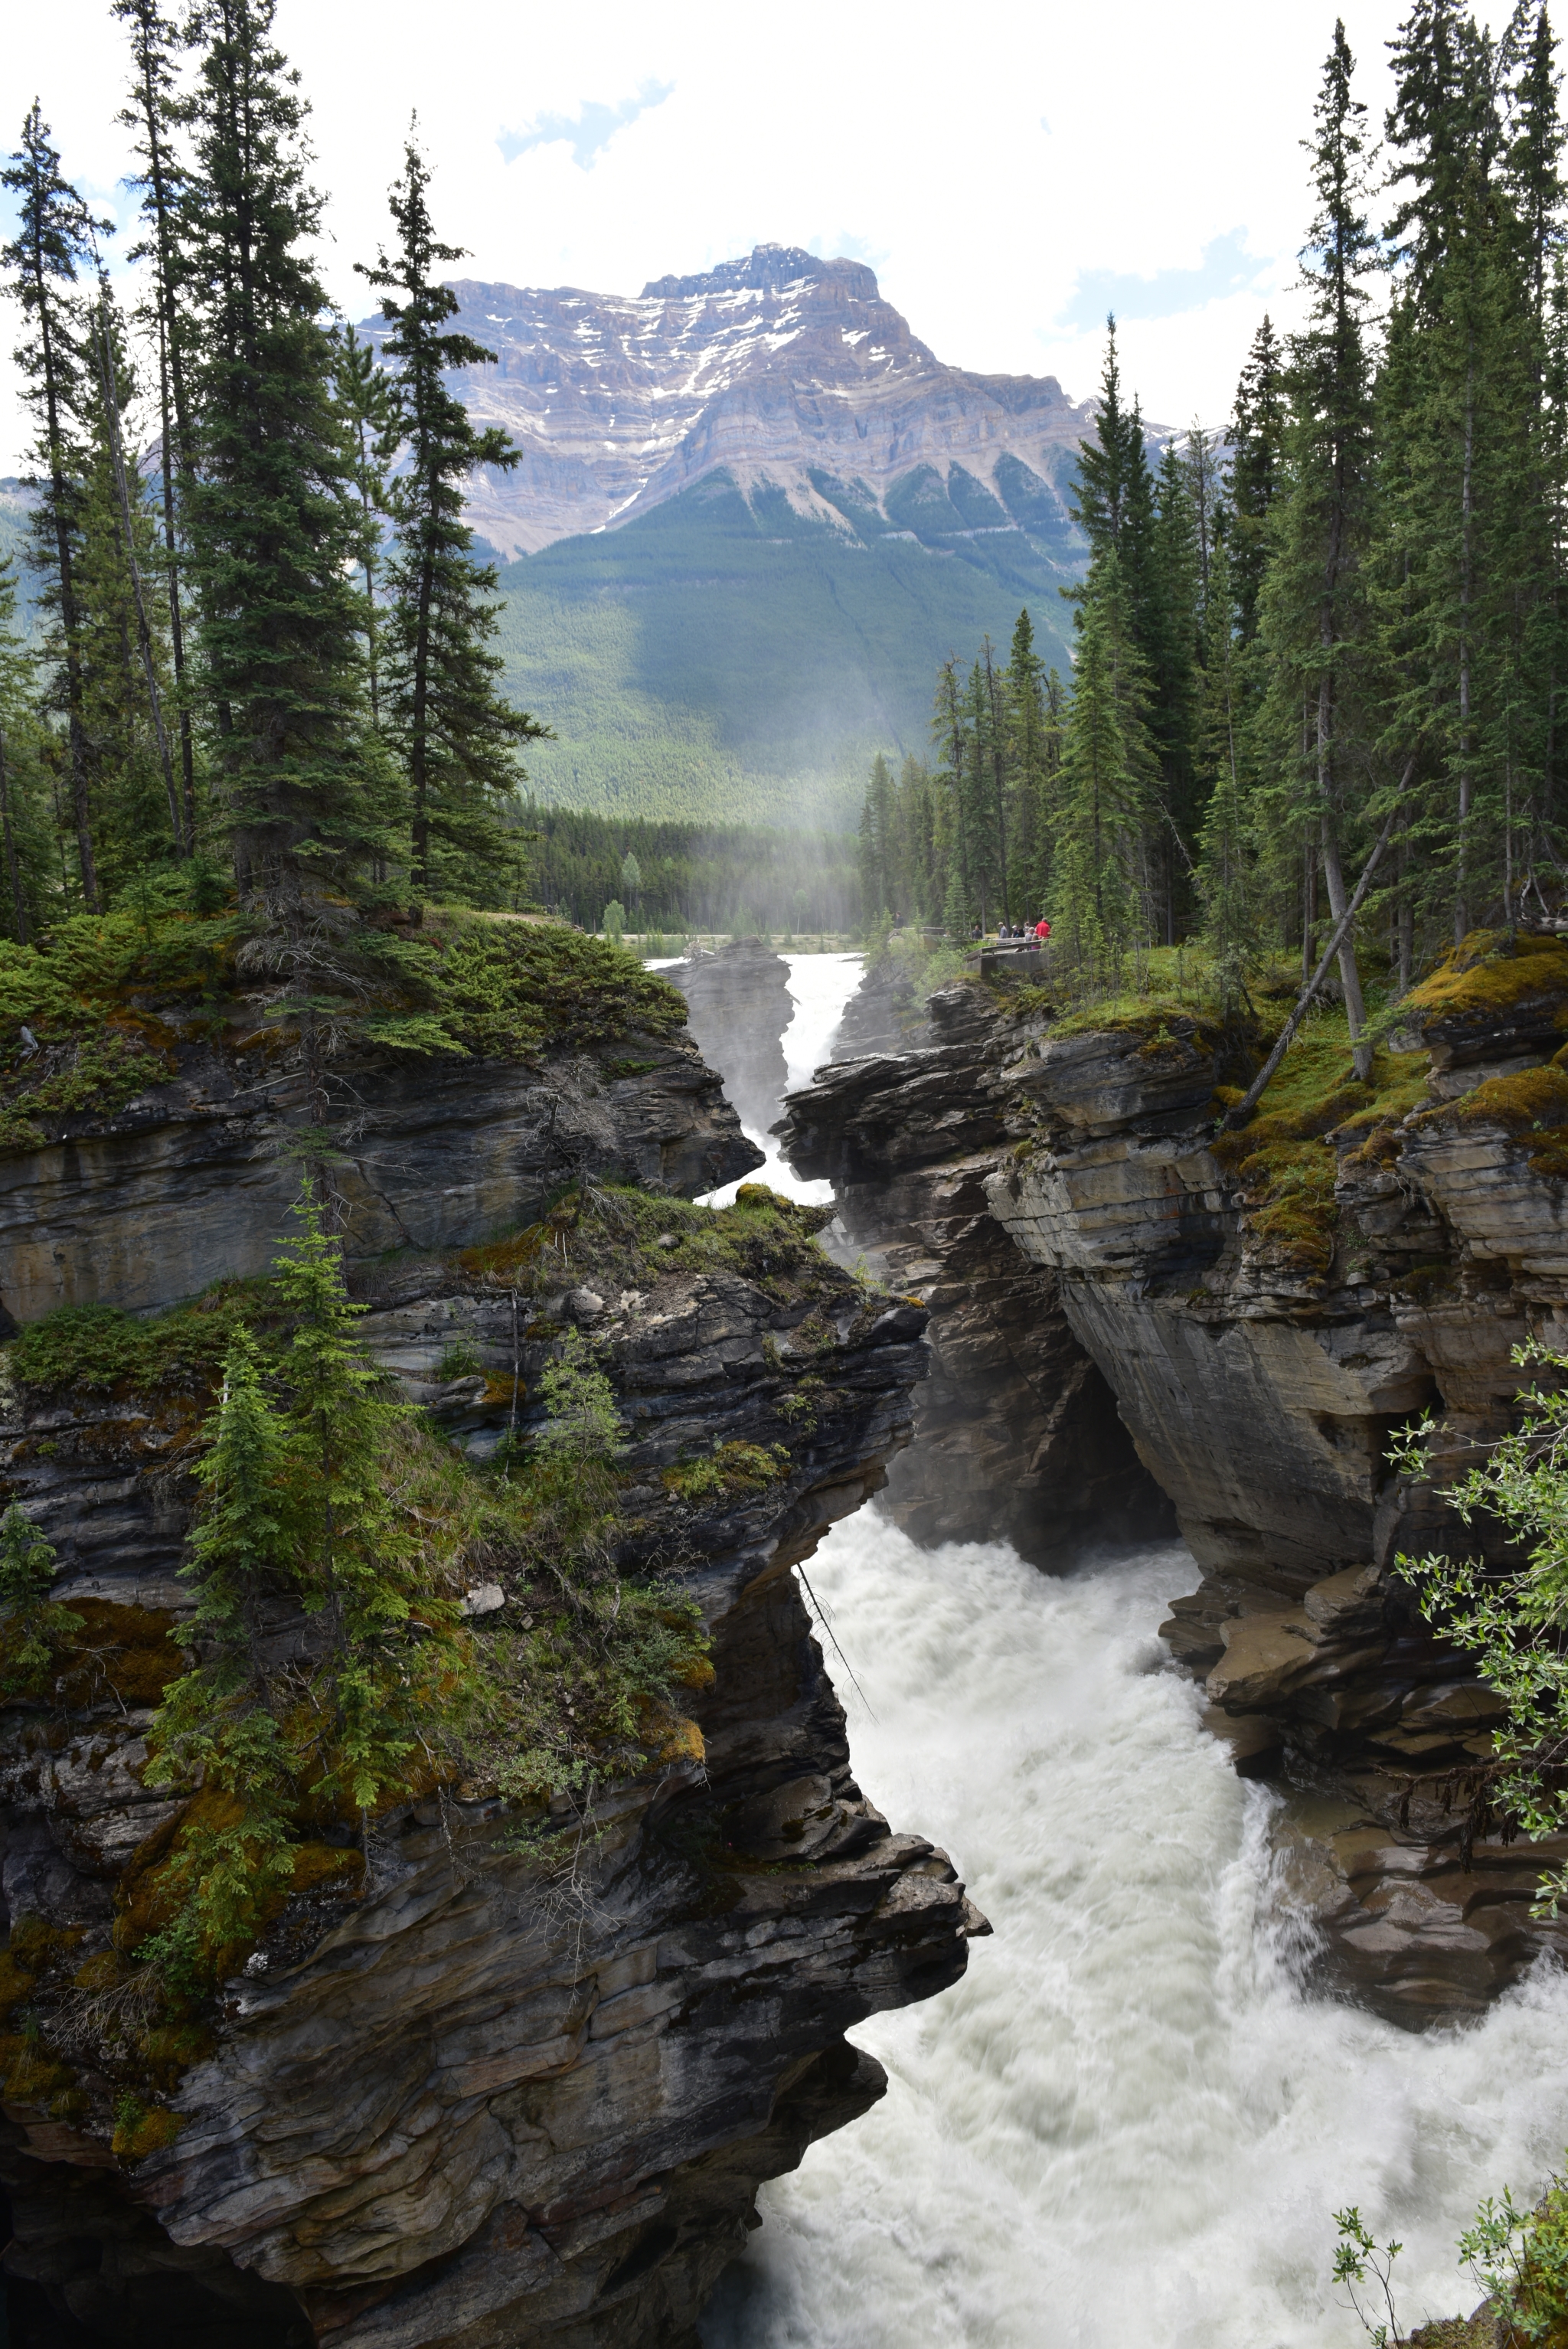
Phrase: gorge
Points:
(452, 2101)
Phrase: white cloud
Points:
(887, 132)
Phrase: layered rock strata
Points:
(192, 1181)
(738, 1007)
(1017, 1436)
(474, 2092)
(1261, 1393)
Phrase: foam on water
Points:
(820, 985)
(1128, 2122)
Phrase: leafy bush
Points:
(1515, 1624)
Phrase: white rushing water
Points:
(1128, 2124)
(820, 987)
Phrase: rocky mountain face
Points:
(461, 2097)
(1260, 1397)
(787, 372)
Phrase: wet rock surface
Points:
(1017, 1435)
(738, 1006)
(1261, 1394)
(479, 2094)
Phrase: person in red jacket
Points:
(1042, 930)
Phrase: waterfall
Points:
(820, 985)
(1130, 2122)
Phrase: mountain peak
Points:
(766, 269)
(782, 370)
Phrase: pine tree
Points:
(878, 885)
(271, 513)
(54, 234)
(1254, 476)
(1225, 858)
(1033, 759)
(124, 529)
(152, 114)
(25, 842)
(1107, 763)
(1316, 603)
(459, 736)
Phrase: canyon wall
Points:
(737, 1007)
(471, 2089)
(1260, 1381)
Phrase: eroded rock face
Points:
(470, 2096)
(1017, 1436)
(190, 1182)
(499, 2099)
(1261, 1397)
(738, 1006)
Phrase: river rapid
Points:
(1133, 2120)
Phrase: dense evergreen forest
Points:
(1336, 639)
(678, 877)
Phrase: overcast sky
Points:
(1008, 172)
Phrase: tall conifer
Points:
(54, 235)
(458, 735)
(272, 522)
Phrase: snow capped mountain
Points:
(781, 370)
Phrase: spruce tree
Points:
(54, 234)
(878, 886)
(367, 396)
(153, 115)
(1098, 877)
(25, 842)
(1253, 475)
(457, 734)
(1225, 862)
(1032, 767)
(271, 512)
(124, 529)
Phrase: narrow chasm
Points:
(1249, 1959)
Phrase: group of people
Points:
(1026, 933)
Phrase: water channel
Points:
(1133, 2120)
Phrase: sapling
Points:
(1364, 2267)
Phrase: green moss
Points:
(1530, 1105)
(100, 1349)
(613, 1234)
(491, 986)
(94, 1074)
(727, 1469)
(503, 988)
(1490, 970)
(1283, 1158)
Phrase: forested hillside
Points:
(727, 657)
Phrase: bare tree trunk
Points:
(1332, 874)
(13, 868)
(1461, 894)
